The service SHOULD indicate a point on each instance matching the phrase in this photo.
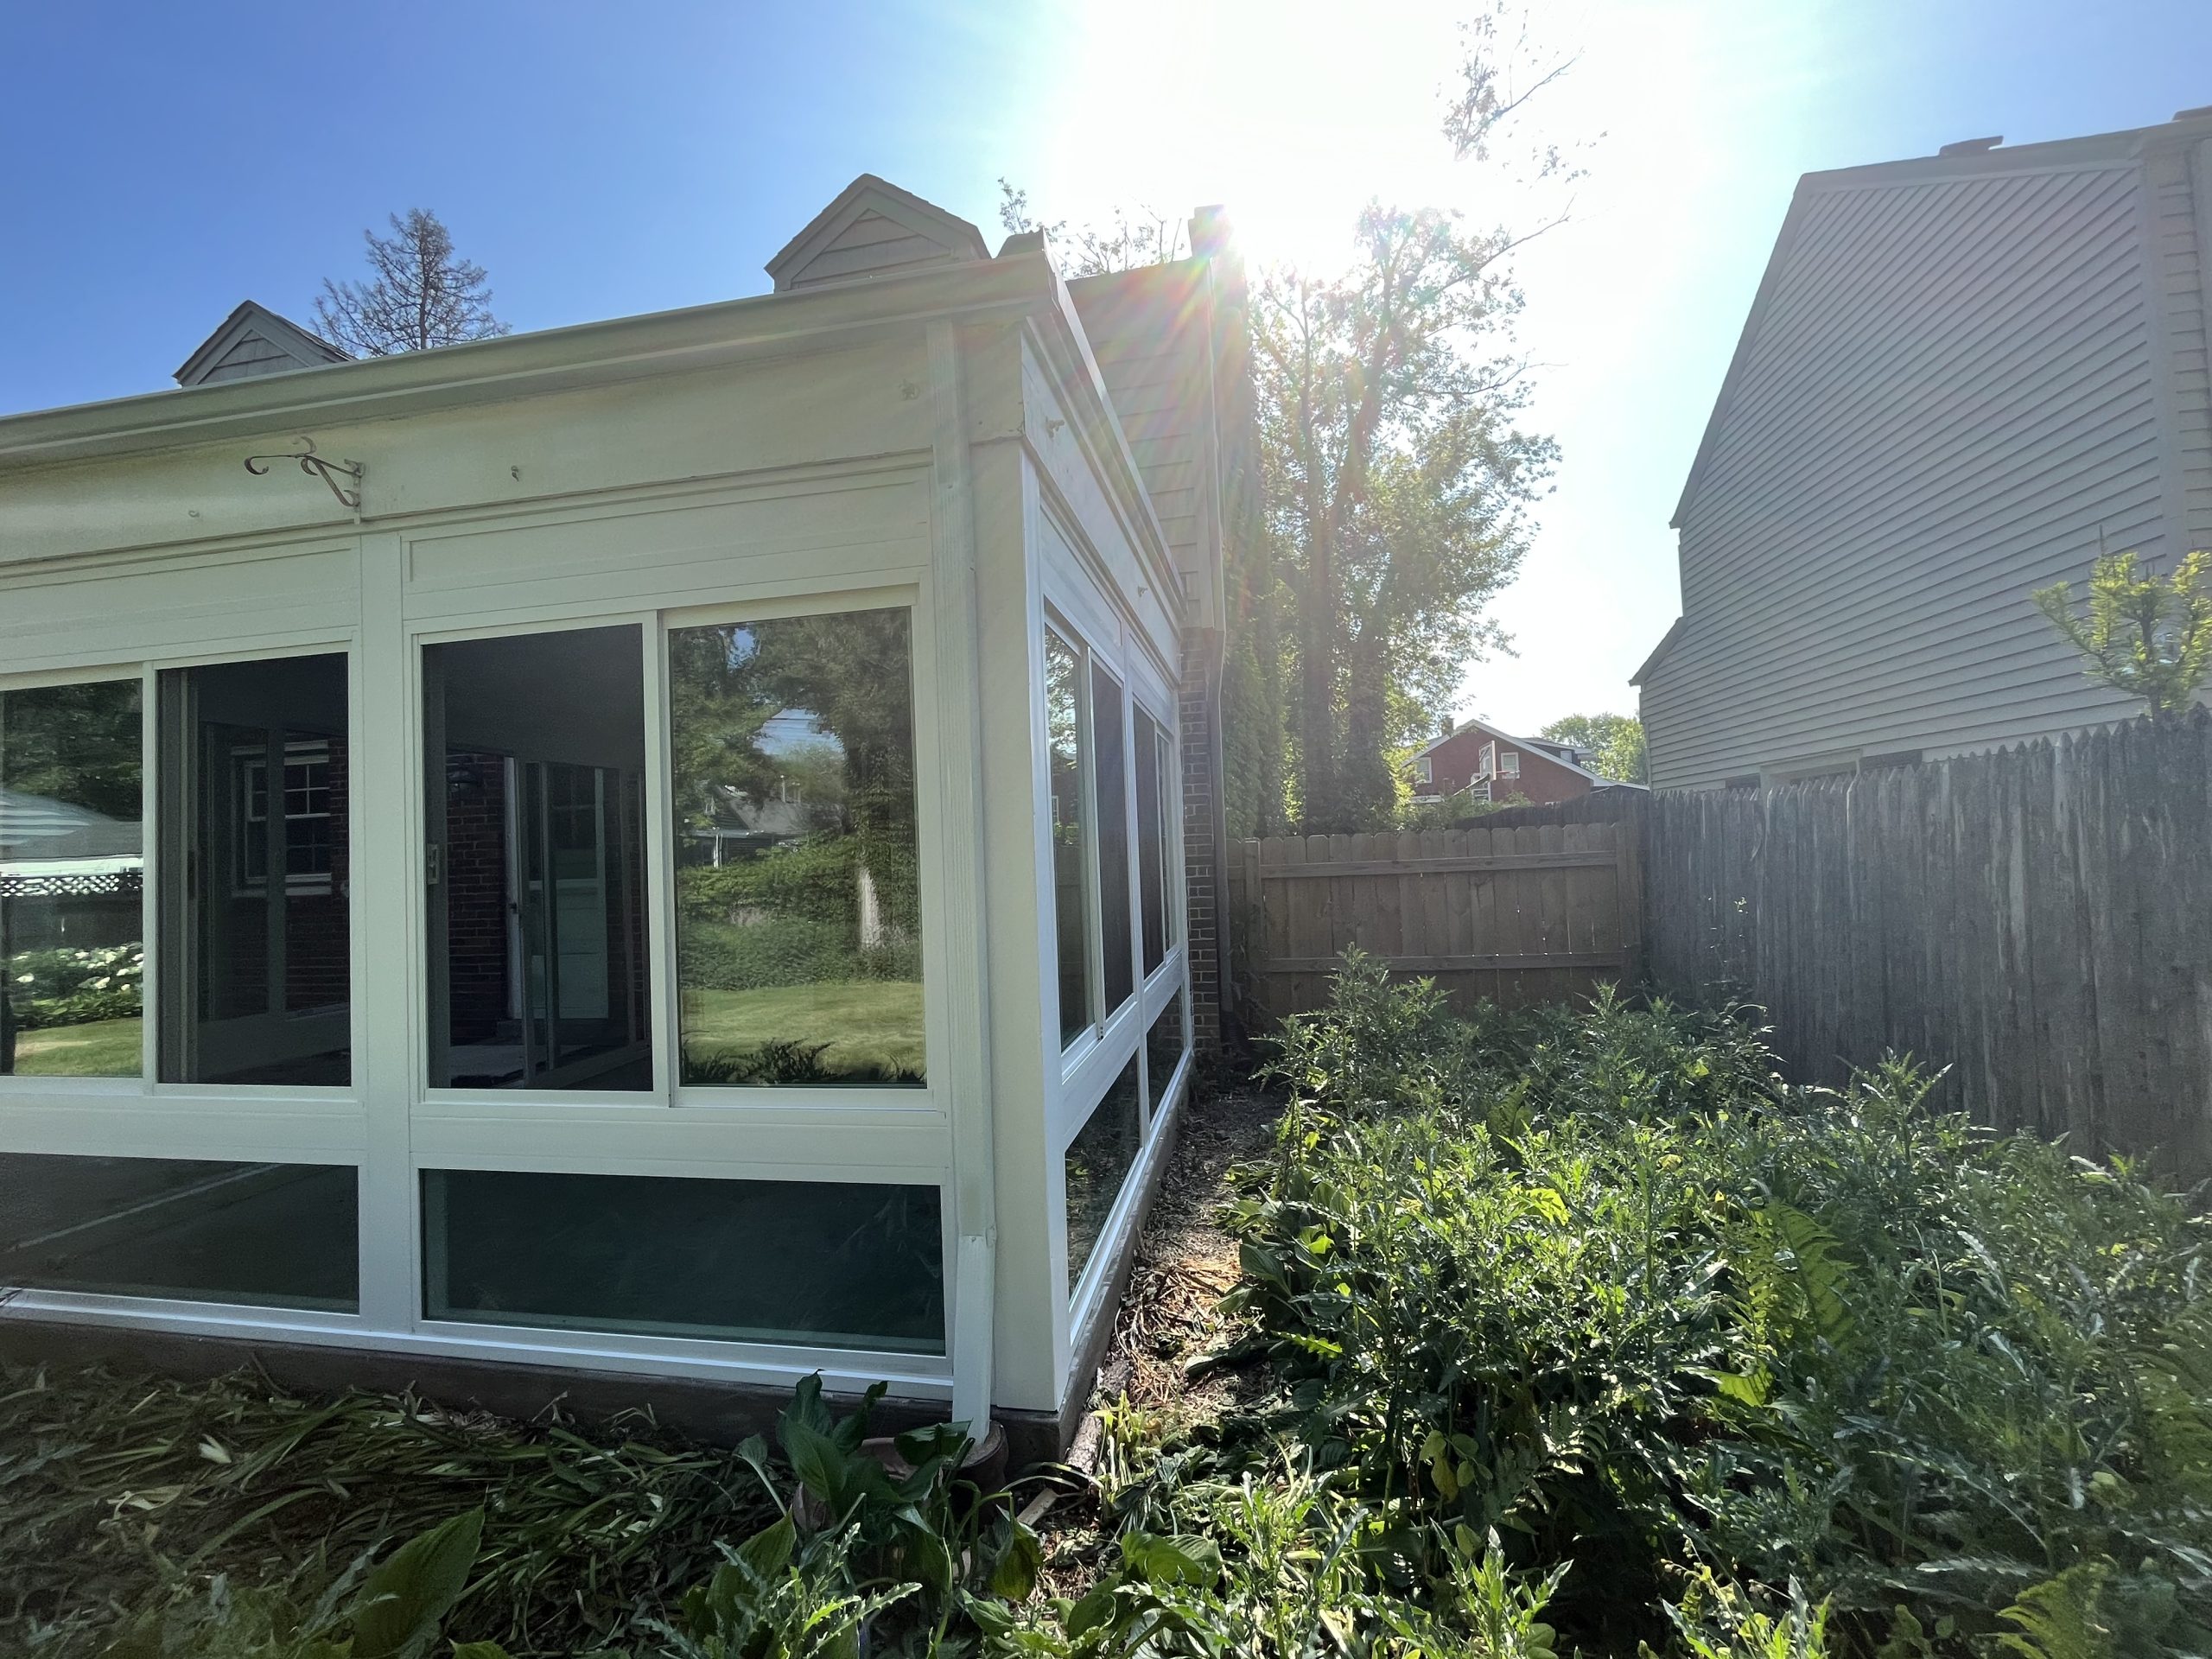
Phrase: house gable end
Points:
(255, 340)
(872, 228)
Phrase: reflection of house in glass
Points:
(86, 868)
(709, 872)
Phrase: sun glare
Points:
(1288, 112)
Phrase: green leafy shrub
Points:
(1278, 1564)
(398, 1611)
(68, 986)
(1600, 1281)
(815, 879)
(781, 1063)
(862, 1559)
(117, 1490)
(777, 950)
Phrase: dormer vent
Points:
(873, 229)
(254, 340)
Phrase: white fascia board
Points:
(520, 365)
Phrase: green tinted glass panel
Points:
(845, 1264)
(272, 1235)
(1099, 1160)
(1163, 1049)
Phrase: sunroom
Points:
(653, 857)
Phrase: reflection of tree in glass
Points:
(1062, 714)
(75, 743)
(793, 753)
(815, 713)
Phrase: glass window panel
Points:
(534, 803)
(798, 927)
(255, 944)
(1098, 1162)
(1111, 792)
(1163, 1049)
(1171, 840)
(72, 877)
(1063, 735)
(1151, 848)
(847, 1264)
(271, 1234)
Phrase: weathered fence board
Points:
(2039, 920)
(1539, 908)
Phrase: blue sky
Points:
(165, 161)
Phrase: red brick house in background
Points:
(1480, 761)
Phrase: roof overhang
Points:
(1667, 643)
(1007, 291)
(520, 365)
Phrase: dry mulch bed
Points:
(1184, 1265)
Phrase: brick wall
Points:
(1200, 715)
(476, 893)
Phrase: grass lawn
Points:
(863, 1024)
(99, 1048)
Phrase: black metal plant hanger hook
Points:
(318, 467)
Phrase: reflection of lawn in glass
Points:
(862, 1024)
(99, 1048)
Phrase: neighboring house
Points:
(1477, 760)
(1963, 376)
(679, 848)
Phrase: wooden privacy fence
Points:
(1524, 914)
(2040, 920)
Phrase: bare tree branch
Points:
(421, 295)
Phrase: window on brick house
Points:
(306, 804)
(1422, 771)
(1508, 764)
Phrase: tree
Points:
(1395, 479)
(423, 295)
(2150, 639)
(1397, 484)
(1612, 745)
(1151, 238)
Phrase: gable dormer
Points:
(255, 340)
(873, 229)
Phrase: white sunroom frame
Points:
(766, 478)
